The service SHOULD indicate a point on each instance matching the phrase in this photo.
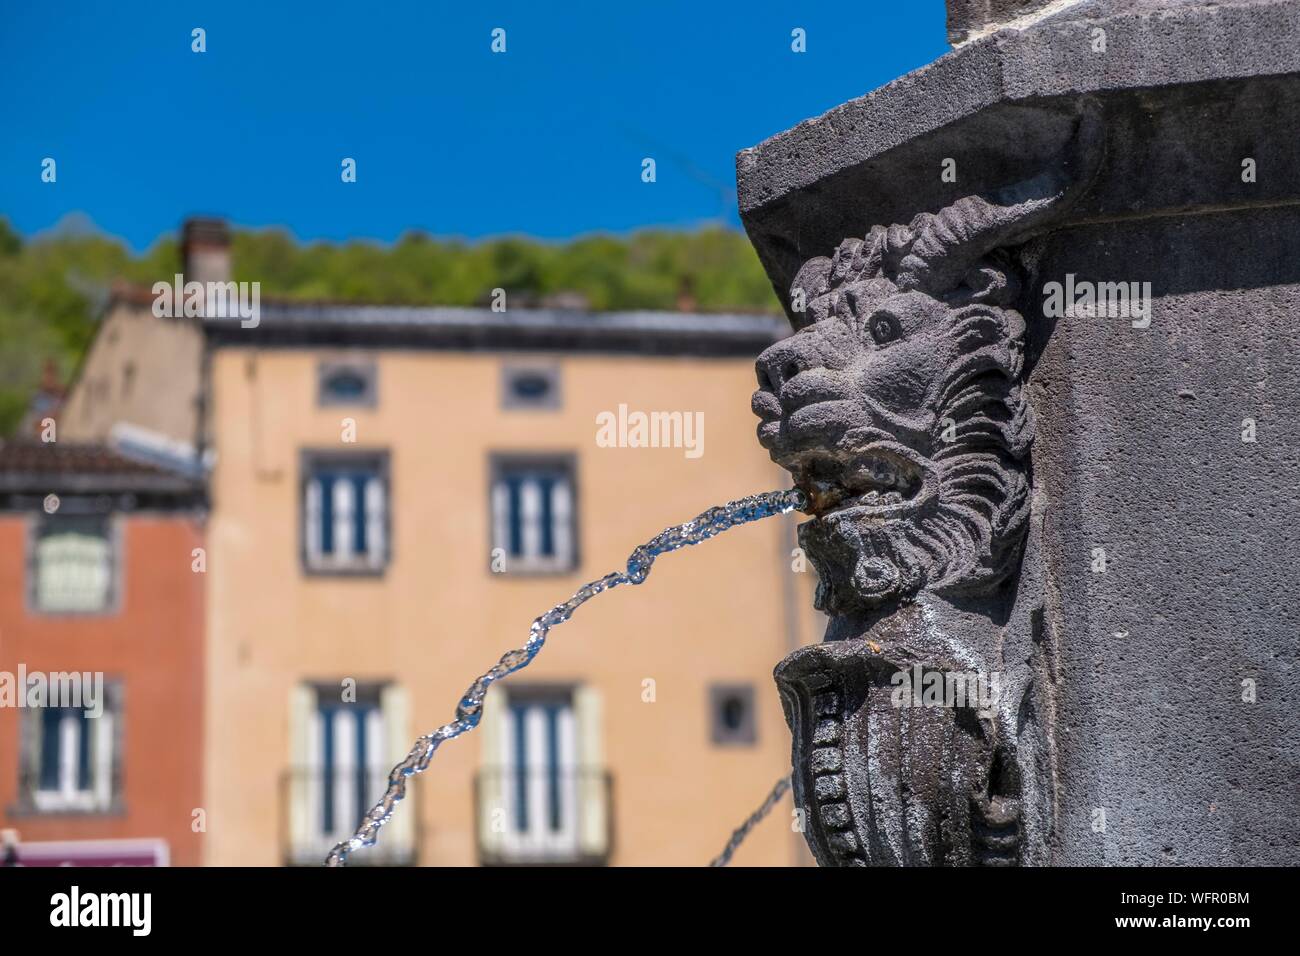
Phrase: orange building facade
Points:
(101, 653)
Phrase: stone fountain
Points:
(1043, 400)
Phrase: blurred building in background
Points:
(395, 494)
(97, 557)
(143, 371)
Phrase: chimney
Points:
(686, 295)
(205, 250)
(51, 383)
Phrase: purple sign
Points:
(87, 853)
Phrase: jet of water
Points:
(470, 709)
(755, 818)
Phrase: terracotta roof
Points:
(82, 467)
(123, 291)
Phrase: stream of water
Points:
(704, 526)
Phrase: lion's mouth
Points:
(880, 481)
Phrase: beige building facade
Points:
(642, 734)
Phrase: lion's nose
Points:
(783, 361)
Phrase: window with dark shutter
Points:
(530, 386)
(533, 506)
(345, 512)
(347, 383)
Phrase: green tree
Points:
(52, 289)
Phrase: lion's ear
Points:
(991, 283)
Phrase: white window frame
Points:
(101, 795)
(584, 834)
(539, 842)
(346, 811)
(563, 508)
(38, 533)
(378, 507)
(388, 737)
(68, 797)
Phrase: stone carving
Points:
(899, 408)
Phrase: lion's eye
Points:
(884, 327)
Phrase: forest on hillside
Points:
(53, 287)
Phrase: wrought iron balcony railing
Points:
(321, 807)
(544, 817)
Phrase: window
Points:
(533, 525)
(72, 564)
(543, 791)
(345, 512)
(345, 739)
(731, 709)
(540, 798)
(70, 759)
(352, 756)
(347, 383)
(530, 386)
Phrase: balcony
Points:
(544, 817)
(321, 808)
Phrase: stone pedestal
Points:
(1133, 579)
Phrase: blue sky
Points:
(546, 139)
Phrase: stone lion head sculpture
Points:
(898, 405)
